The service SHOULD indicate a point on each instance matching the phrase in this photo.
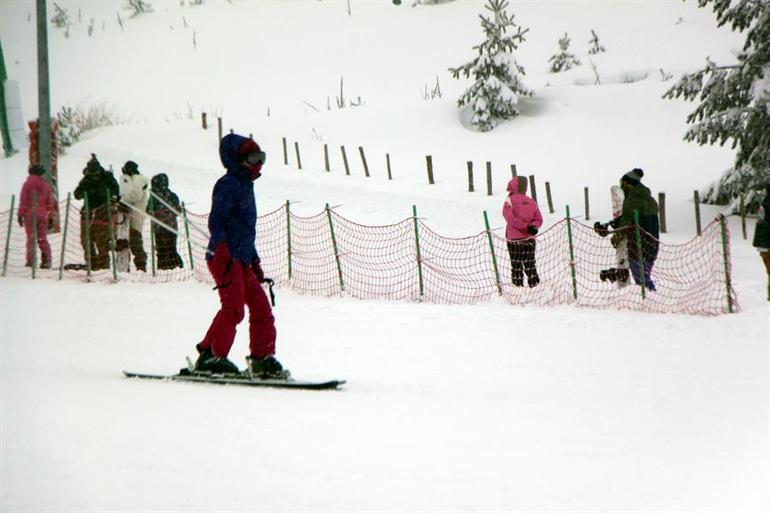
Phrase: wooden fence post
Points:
(489, 178)
(387, 162)
(219, 127)
(588, 205)
(285, 153)
(470, 176)
(326, 157)
(696, 200)
(204, 124)
(548, 197)
(429, 165)
(345, 160)
(363, 160)
(742, 212)
(532, 187)
(662, 211)
(514, 174)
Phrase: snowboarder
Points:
(36, 207)
(638, 198)
(134, 191)
(234, 263)
(165, 240)
(762, 235)
(102, 190)
(523, 219)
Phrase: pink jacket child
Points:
(523, 220)
(35, 183)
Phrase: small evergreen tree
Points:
(596, 47)
(69, 128)
(735, 104)
(496, 74)
(61, 17)
(563, 60)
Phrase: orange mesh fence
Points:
(327, 254)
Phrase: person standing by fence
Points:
(102, 190)
(523, 220)
(134, 191)
(165, 240)
(36, 206)
(762, 235)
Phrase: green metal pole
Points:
(571, 255)
(334, 245)
(152, 236)
(8, 234)
(5, 132)
(288, 235)
(33, 263)
(726, 260)
(642, 278)
(113, 256)
(64, 237)
(492, 251)
(417, 248)
(187, 234)
(88, 234)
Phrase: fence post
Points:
(417, 248)
(548, 197)
(152, 238)
(288, 236)
(113, 255)
(296, 150)
(187, 236)
(204, 124)
(532, 187)
(8, 235)
(489, 178)
(33, 263)
(662, 211)
(219, 127)
(387, 162)
(742, 211)
(696, 200)
(585, 199)
(640, 261)
(514, 174)
(334, 247)
(363, 160)
(571, 256)
(470, 176)
(726, 260)
(285, 152)
(345, 160)
(492, 251)
(64, 237)
(88, 234)
(326, 157)
(429, 165)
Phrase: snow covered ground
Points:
(447, 408)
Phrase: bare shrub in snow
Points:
(61, 17)
(595, 46)
(138, 7)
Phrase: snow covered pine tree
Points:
(495, 92)
(563, 60)
(735, 104)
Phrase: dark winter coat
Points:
(233, 217)
(157, 209)
(100, 186)
(639, 198)
(762, 230)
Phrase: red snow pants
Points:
(42, 239)
(238, 287)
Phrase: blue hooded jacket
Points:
(233, 217)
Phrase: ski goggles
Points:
(257, 157)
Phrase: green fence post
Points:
(64, 237)
(187, 234)
(334, 246)
(492, 251)
(417, 248)
(88, 234)
(640, 262)
(33, 263)
(113, 255)
(726, 260)
(288, 235)
(152, 236)
(8, 234)
(571, 256)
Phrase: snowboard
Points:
(238, 379)
(122, 252)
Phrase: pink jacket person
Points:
(520, 211)
(45, 202)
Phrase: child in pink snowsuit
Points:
(39, 217)
(523, 220)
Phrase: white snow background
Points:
(485, 407)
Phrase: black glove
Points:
(21, 220)
(531, 230)
(258, 272)
(600, 229)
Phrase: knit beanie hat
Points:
(633, 177)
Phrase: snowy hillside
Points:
(448, 407)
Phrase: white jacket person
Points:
(135, 191)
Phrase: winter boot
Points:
(207, 362)
(266, 368)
